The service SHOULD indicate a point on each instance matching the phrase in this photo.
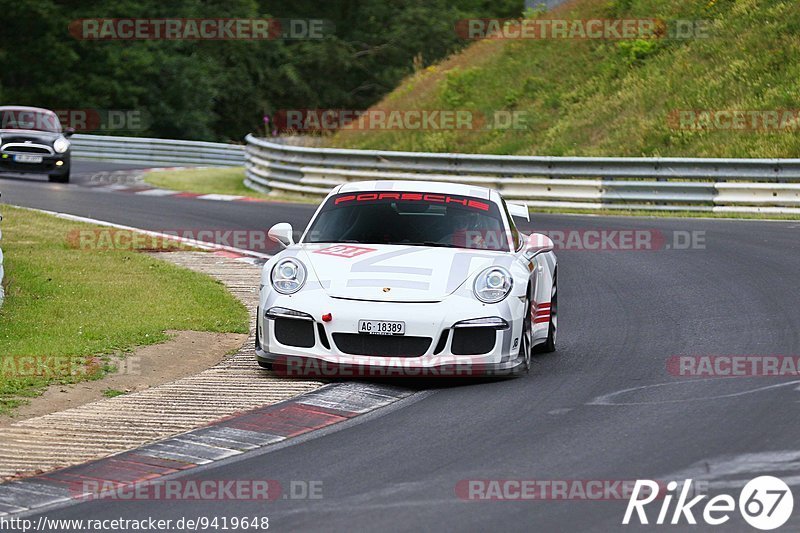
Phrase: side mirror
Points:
(68, 132)
(281, 233)
(538, 243)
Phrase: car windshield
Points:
(29, 119)
(410, 218)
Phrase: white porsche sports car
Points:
(408, 278)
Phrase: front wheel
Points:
(527, 338)
(549, 345)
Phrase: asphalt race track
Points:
(603, 407)
(153, 213)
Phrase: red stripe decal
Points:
(541, 320)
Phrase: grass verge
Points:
(228, 180)
(69, 311)
(219, 180)
(594, 97)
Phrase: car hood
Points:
(395, 273)
(13, 135)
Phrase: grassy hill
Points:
(615, 97)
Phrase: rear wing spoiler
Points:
(519, 210)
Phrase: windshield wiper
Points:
(426, 243)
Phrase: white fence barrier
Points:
(155, 152)
(641, 183)
(666, 184)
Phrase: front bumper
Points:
(335, 349)
(49, 164)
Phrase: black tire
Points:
(549, 345)
(59, 178)
(525, 349)
(265, 365)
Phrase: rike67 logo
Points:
(765, 503)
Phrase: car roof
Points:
(24, 108)
(438, 187)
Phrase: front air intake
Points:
(473, 341)
(294, 332)
(382, 345)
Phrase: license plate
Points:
(381, 327)
(24, 158)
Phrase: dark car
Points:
(32, 140)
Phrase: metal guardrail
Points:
(640, 183)
(146, 151)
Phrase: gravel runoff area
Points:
(125, 422)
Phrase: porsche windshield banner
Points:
(429, 198)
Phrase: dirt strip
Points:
(125, 422)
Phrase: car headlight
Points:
(61, 145)
(288, 276)
(493, 284)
